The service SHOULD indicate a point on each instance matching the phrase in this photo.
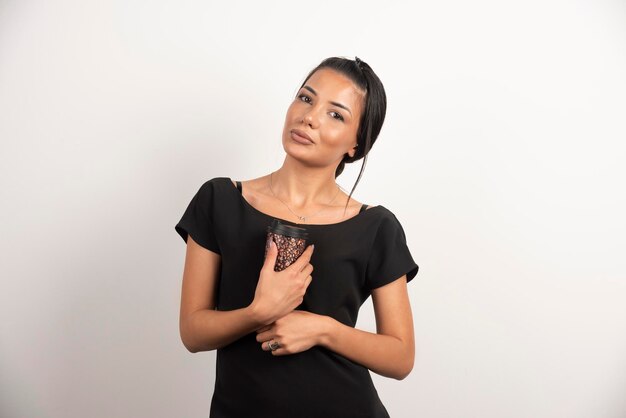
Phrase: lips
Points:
(301, 134)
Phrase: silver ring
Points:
(273, 345)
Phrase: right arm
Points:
(203, 328)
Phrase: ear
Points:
(352, 151)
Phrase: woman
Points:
(286, 341)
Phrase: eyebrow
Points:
(333, 103)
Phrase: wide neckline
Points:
(252, 208)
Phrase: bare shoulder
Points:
(359, 204)
(253, 187)
(256, 192)
(252, 184)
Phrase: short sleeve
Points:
(390, 257)
(197, 220)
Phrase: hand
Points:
(295, 332)
(280, 292)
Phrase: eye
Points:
(305, 97)
(339, 117)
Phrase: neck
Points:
(304, 186)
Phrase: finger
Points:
(307, 281)
(308, 269)
(279, 352)
(304, 258)
(264, 336)
(263, 329)
(266, 346)
(272, 254)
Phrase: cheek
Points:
(335, 134)
(294, 111)
(289, 112)
(346, 130)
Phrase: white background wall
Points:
(502, 155)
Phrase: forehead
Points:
(335, 86)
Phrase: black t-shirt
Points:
(350, 259)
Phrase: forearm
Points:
(385, 355)
(209, 329)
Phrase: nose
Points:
(310, 118)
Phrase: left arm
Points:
(389, 352)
